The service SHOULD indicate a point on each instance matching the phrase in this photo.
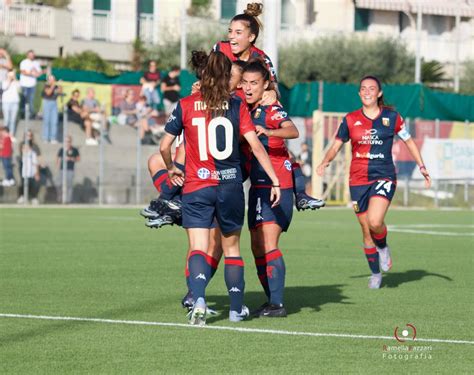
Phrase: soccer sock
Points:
(213, 263)
(276, 276)
(380, 239)
(234, 279)
(299, 185)
(163, 183)
(199, 273)
(373, 258)
(261, 265)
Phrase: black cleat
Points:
(304, 202)
(256, 313)
(273, 311)
(159, 221)
(188, 301)
(162, 207)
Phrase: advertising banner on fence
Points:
(448, 158)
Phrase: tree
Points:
(87, 60)
(466, 82)
(53, 3)
(346, 59)
(139, 54)
(432, 74)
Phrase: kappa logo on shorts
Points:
(355, 205)
(287, 165)
(203, 173)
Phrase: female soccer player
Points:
(213, 121)
(266, 222)
(371, 130)
(242, 35)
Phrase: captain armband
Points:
(404, 134)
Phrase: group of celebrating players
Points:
(233, 128)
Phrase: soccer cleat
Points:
(197, 316)
(188, 300)
(375, 281)
(256, 312)
(162, 207)
(273, 311)
(385, 259)
(159, 221)
(235, 316)
(304, 202)
(148, 213)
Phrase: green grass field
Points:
(104, 264)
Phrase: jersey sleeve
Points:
(400, 128)
(174, 126)
(271, 68)
(277, 116)
(217, 47)
(246, 124)
(343, 131)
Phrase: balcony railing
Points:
(27, 20)
(101, 25)
(147, 29)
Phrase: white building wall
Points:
(384, 22)
(123, 20)
(334, 15)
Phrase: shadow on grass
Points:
(395, 279)
(296, 298)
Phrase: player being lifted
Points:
(213, 122)
(372, 179)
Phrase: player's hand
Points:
(260, 130)
(269, 97)
(427, 177)
(176, 176)
(321, 168)
(275, 195)
(196, 87)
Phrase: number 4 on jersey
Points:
(209, 141)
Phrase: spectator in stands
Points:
(91, 106)
(30, 173)
(305, 160)
(5, 66)
(150, 82)
(170, 87)
(50, 94)
(79, 116)
(6, 153)
(10, 101)
(128, 111)
(30, 70)
(72, 157)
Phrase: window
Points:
(102, 5)
(361, 19)
(228, 9)
(145, 6)
(288, 13)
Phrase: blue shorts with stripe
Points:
(225, 203)
(260, 210)
(361, 194)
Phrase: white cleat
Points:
(197, 316)
(375, 281)
(235, 316)
(385, 258)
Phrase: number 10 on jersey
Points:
(209, 141)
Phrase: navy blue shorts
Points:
(225, 203)
(361, 194)
(261, 212)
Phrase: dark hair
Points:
(380, 100)
(75, 91)
(215, 77)
(239, 63)
(250, 17)
(175, 67)
(257, 66)
(198, 62)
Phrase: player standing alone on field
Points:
(371, 130)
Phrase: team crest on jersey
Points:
(356, 206)
(287, 165)
(385, 121)
(258, 112)
(203, 173)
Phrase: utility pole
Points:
(271, 20)
(419, 19)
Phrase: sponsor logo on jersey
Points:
(355, 205)
(368, 155)
(280, 115)
(203, 173)
(171, 118)
(385, 121)
(287, 165)
(357, 123)
(371, 131)
(370, 138)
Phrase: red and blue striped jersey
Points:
(224, 47)
(211, 143)
(372, 142)
(271, 117)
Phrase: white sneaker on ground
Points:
(35, 201)
(375, 281)
(197, 316)
(235, 316)
(21, 199)
(7, 183)
(385, 258)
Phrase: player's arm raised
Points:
(264, 160)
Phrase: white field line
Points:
(224, 328)
(418, 229)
